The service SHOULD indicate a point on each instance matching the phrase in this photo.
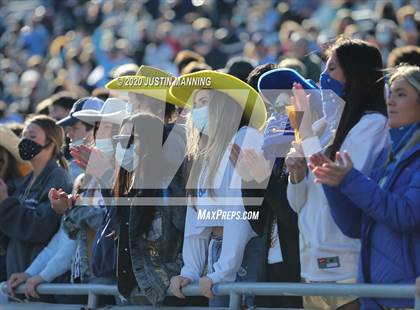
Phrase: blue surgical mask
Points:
(105, 146)
(126, 158)
(201, 119)
(327, 82)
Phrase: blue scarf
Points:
(401, 137)
(397, 134)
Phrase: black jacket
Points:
(275, 204)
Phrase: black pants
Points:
(3, 274)
(279, 272)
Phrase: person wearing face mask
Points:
(386, 32)
(85, 224)
(382, 210)
(77, 131)
(26, 216)
(217, 113)
(149, 235)
(155, 98)
(353, 72)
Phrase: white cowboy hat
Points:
(114, 111)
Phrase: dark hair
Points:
(362, 66)
(255, 74)
(88, 126)
(101, 93)
(170, 110)
(151, 167)
(64, 99)
(184, 57)
(239, 67)
(194, 66)
(409, 54)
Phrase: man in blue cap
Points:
(78, 131)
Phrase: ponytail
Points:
(62, 161)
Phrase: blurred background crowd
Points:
(47, 46)
(55, 55)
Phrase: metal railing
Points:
(237, 290)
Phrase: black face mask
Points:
(28, 148)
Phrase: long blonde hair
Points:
(225, 118)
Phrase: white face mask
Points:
(77, 142)
(105, 146)
(126, 158)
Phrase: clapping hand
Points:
(91, 159)
(328, 172)
(249, 165)
(60, 200)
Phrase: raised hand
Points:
(296, 163)
(92, 160)
(301, 102)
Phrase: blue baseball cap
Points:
(86, 103)
(283, 79)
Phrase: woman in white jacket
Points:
(215, 228)
(354, 73)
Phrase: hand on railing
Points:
(177, 283)
(15, 280)
(31, 285)
(206, 287)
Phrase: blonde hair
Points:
(409, 73)
(225, 118)
(53, 134)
